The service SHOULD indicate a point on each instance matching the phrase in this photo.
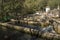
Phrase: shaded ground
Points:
(11, 34)
(15, 35)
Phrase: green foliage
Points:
(35, 4)
(53, 3)
(22, 7)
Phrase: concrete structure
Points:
(58, 7)
(47, 9)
